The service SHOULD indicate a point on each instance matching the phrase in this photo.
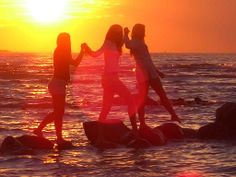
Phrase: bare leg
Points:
(142, 96)
(157, 86)
(59, 109)
(108, 94)
(123, 92)
(47, 120)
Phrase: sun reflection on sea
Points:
(38, 91)
(190, 174)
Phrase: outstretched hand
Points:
(126, 30)
(85, 48)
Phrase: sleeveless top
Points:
(61, 62)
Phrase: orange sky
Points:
(172, 25)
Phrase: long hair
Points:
(64, 44)
(138, 32)
(115, 35)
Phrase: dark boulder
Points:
(112, 130)
(25, 144)
(189, 133)
(35, 142)
(139, 143)
(226, 116)
(154, 137)
(212, 131)
(224, 126)
(65, 145)
(12, 146)
(171, 130)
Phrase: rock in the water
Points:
(224, 125)
(65, 145)
(112, 131)
(212, 131)
(189, 133)
(155, 137)
(139, 143)
(171, 131)
(226, 116)
(11, 145)
(35, 142)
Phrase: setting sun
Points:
(45, 11)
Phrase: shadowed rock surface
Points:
(224, 126)
(116, 132)
(24, 145)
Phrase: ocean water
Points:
(24, 101)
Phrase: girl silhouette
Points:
(62, 59)
(146, 72)
(112, 50)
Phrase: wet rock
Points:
(115, 133)
(226, 117)
(224, 126)
(35, 142)
(12, 146)
(65, 145)
(111, 130)
(155, 137)
(189, 133)
(212, 131)
(171, 131)
(139, 143)
(24, 145)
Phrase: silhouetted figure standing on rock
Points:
(112, 50)
(146, 72)
(62, 60)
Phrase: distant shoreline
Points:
(5, 51)
(159, 53)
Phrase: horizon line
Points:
(153, 52)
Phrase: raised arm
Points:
(126, 38)
(129, 44)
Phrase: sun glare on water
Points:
(46, 11)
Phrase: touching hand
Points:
(85, 48)
(126, 30)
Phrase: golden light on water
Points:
(39, 91)
(190, 174)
